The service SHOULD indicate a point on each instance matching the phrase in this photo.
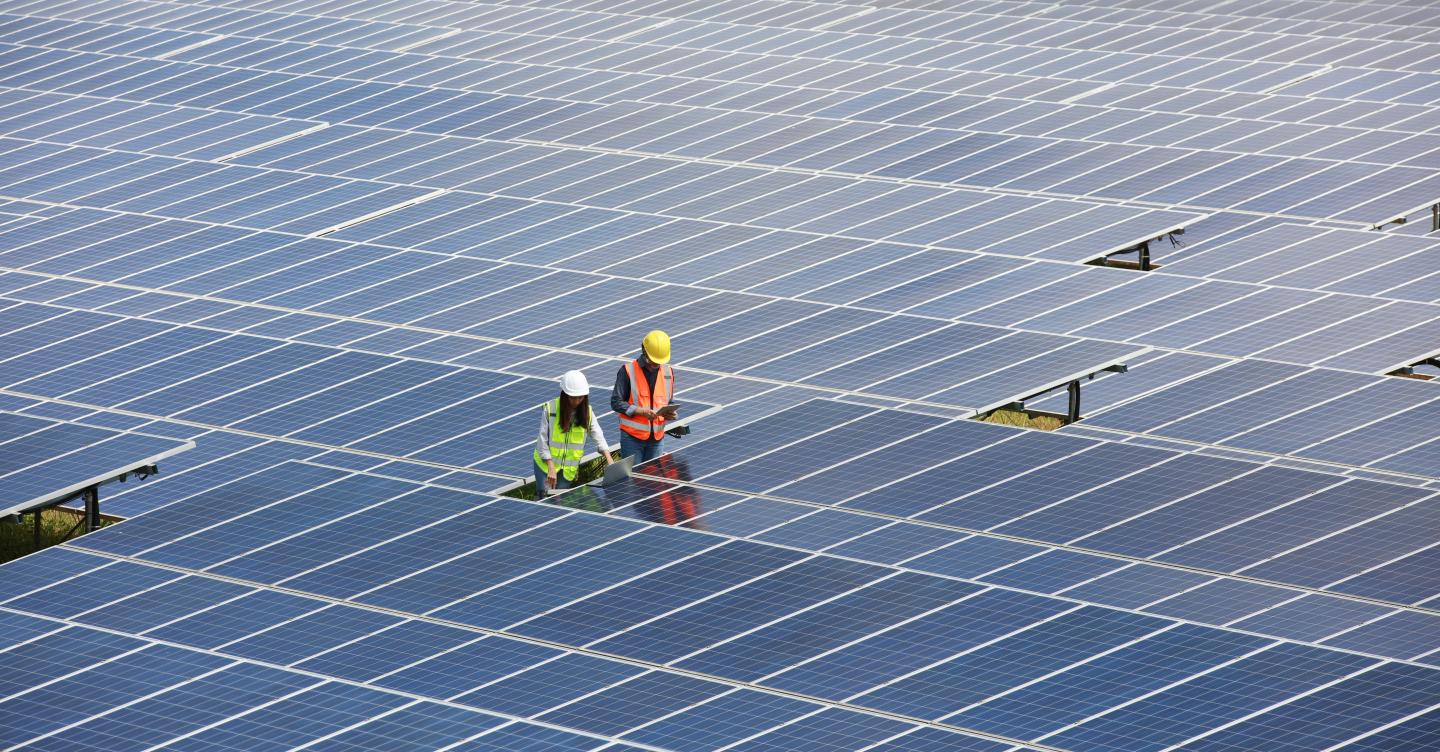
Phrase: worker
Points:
(565, 423)
(642, 393)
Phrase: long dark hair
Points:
(567, 417)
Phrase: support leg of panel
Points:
(1073, 413)
(1435, 218)
(92, 509)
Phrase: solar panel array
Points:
(671, 637)
(342, 246)
(46, 461)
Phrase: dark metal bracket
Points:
(90, 517)
(1072, 389)
(1410, 369)
(1143, 249)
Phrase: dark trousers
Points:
(642, 450)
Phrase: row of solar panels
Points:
(1307, 16)
(815, 62)
(1193, 510)
(1298, 16)
(1092, 66)
(926, 103)
(943, 110)
(1262, 608)
(460, 15)
(846, 360)
(981, 469)
(1187, 35)
(313, 393)
(529, 170)
(437, 291)
(319, 397)
(1345, 190)
(340, 398)
(220, 456)
(1135, 99)
(1314, 414)
(400, 287)
(321, 330)
(945, 210)
(1095, 52)
(1384, 395)
(1008, 60)
(140, 693)
(109, 360)
(1117, 125)
(859, 43)
(1105, 25)
(1367, 20)
(961, 365)
(374, 151)
(1279, 107)
(869, 210)
(44, 461)
(951, 651)
(1317, 258)
(430, 290)
(859, 49)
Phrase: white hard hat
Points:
(574, 384)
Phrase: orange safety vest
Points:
(640, 396)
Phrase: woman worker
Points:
(565, 422)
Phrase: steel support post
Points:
(1073, 413)
(92, 509)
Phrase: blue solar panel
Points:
(47, 461)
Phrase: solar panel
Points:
(1344, 419)
(49, 462)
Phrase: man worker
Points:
(642, 393)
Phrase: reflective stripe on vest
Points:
(640, 396)
(566, 447)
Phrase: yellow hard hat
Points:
(657, 347)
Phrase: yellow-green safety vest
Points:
(566, 447)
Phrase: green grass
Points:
(588, 471)
(1021, 418)
(55, 524)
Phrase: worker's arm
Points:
(543, 444)
(620, 397)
